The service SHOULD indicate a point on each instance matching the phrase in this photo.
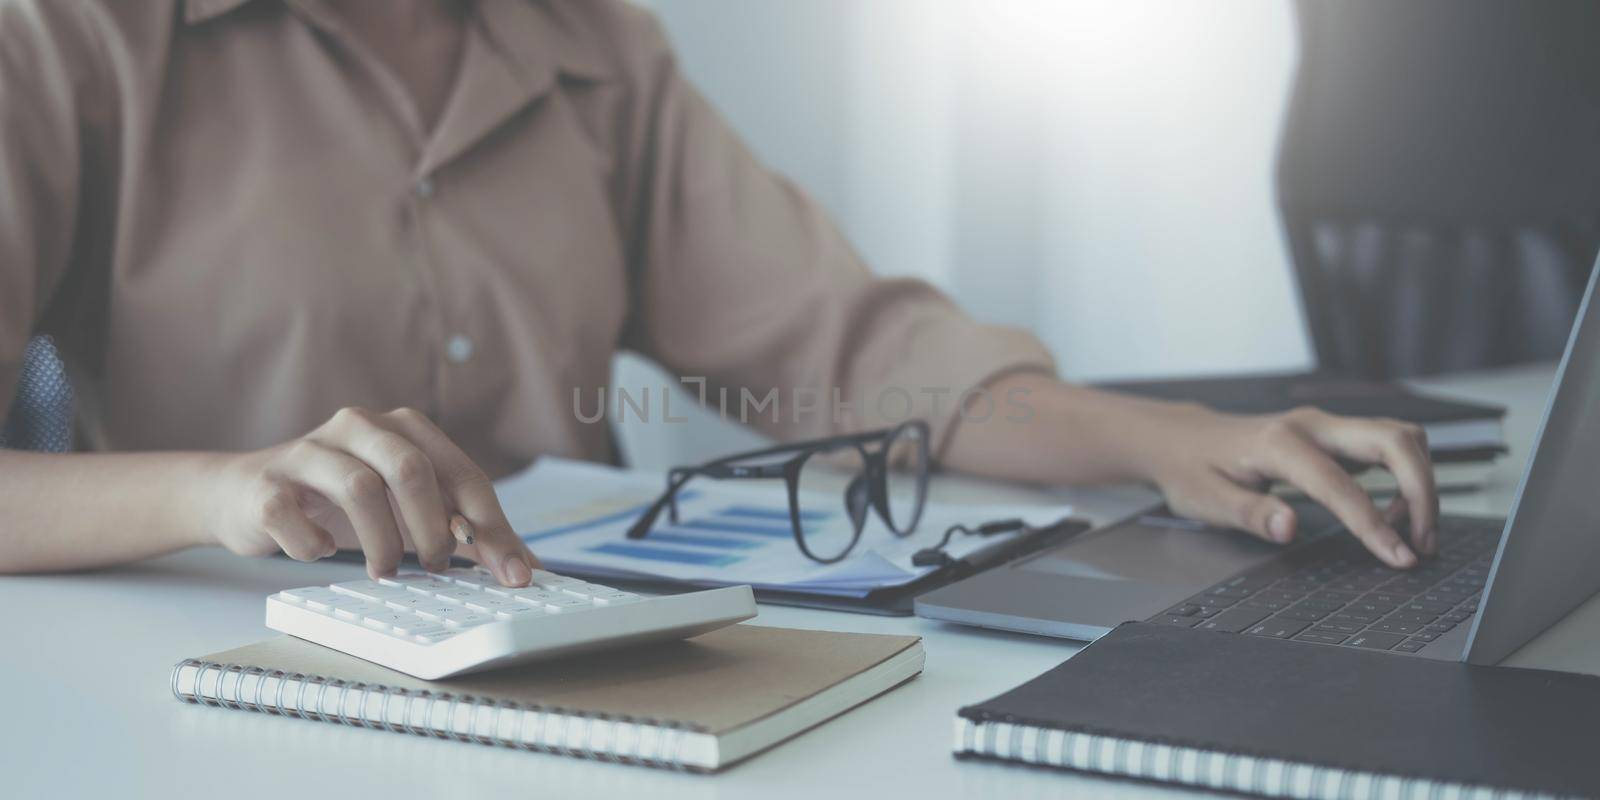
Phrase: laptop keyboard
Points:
(1331, 591)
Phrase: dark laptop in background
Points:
(1456, 431)
(1464, 439)
(1495, 585)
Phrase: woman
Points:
(247, 222)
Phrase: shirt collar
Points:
(539, 37)
(528, 32)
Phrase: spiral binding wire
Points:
(1249, 774)
(654, 743)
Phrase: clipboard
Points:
(891, 601)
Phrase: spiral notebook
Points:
(697, 705)
(1290, 719)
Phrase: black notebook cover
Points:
(1273, 393)
(1335, 707)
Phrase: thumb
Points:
(1219, 501)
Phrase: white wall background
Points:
(1098, 171)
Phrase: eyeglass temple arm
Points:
(719, 467)
(776, 470)
(675, 481)
(681, 475)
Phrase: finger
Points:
(1297, 460)
(409, 475)
(359, 492)
(1220, 501)
(1397, 511)
(1413, 468)
(496, 545)
(1416, 444)
(286, 522)
(1400, 448)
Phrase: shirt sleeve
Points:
(742, 280)
(45, 79)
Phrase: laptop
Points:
(1495, 584)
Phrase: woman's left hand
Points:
(1219, 465)
(1211, 466)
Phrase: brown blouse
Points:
(229, 217)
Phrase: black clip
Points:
(935, 556)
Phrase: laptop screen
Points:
(1549, 558)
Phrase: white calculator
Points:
(434, 625)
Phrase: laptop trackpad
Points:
(1185, 560)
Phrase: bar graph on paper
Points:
(723, 537)
(575, 516)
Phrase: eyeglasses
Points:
(884, 471)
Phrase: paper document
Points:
(575, 516)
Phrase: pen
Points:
(461, 529)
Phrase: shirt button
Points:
(459, 349)
(424, 188)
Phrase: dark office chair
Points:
(1439, 179)
(40, 417)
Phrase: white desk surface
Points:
(86, 711)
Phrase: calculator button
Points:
(418, 582)
(413, 625)
(567, 604)
(310, 594)
(544, 578)
(356, 611)
(387, 619)
(469, 620)
(337, 601)
(436, 610)
(368, 590)
(469, 577)
(446, 614)
(457, 595)
(523, 592)
(433, 637)
(491, 604)
(616, 598)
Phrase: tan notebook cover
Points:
(712, 684)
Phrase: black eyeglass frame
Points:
(875, 469)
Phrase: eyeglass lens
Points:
(907, 479)
(833, 501)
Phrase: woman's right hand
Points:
(385, 482)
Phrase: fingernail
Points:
(1280, 526)
(1403, 557)
(515, 570)
(462, 529)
